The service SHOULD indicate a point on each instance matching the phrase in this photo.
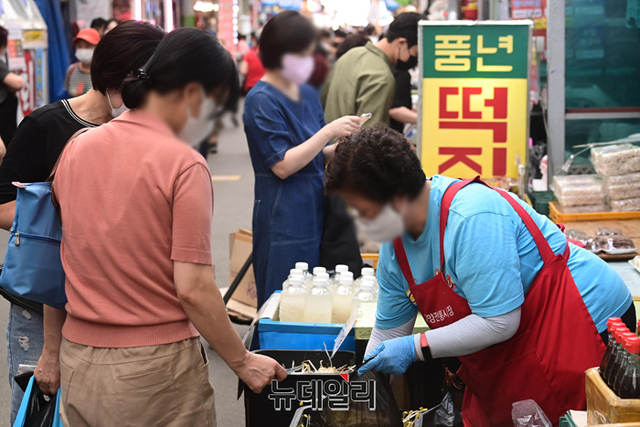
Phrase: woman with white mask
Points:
(136, 203)
(288, 142)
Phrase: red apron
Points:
(546, 360)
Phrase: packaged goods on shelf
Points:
(622, 191)
(599, 207)
(608, 231)
(579, 193)
(625, 205)
(616, 159)
(628, 179)
(612, 244)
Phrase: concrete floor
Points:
(233, 209)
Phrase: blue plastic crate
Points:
(277, 335)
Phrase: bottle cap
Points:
(295, 281)
(317, 270)
(348, 274)
(369, 279)
(296, 272)
(613, 320)
(346, 281)
(341, 268)
(367, 285)
(624, 336)
(323, 276)
(368, 271)
(615, 325)
(302, 266)
(633, 345)
(320, 282)
(619, 331)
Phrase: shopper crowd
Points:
(127, 156)
(136, 200)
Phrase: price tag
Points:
(345, 332)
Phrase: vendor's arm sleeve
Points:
(192, 210)
(486, 262)
(270, 131)
(471, 334)
(25, 159)
(374, 95)
(380, 335)
(394, 306)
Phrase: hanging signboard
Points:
(474, 106)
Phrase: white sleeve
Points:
(471, 334)
(379, 335)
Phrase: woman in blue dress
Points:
(288, 143)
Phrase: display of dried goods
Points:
(614, 244)
(631, 178)
(616, 159)
(608, 231)
(625, 205)
(599, 207)
(570, 186)
(622, 191)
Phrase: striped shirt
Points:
(77, 82)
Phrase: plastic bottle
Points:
(319, 302)
(630, 384)
(617, 345)
(335, 279)
(612, 323)
(292, 301)
(366, 294)
(343, 300)
(292, 273)
(617, 381)
(617, 362)
(305, 269)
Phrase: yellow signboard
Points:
(474, 97)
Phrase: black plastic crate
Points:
(261, 410)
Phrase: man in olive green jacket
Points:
(362, 80)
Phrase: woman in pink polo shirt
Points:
(136, 204)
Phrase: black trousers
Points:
(628, 318)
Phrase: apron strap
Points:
(401, 254)
(543, 245)
(545, 250)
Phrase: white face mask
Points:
(385, 227)
(84, 55)
(197, 129)
(115, 112)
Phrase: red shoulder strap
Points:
(401, 254)
(545, 250)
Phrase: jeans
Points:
(25, 339)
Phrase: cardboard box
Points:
(240, 247)
(604, 406)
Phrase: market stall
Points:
(27, 52)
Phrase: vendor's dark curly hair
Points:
(377, 163)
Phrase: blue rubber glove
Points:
(393, 357)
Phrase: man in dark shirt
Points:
(35, 148)
(401, 112)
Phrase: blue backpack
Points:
(32, 266)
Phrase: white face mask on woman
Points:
(197, 129)
(297, 69)
(385, 227)
(115, 112)
(84, 55)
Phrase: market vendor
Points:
(497, 283)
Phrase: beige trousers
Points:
(164, 385)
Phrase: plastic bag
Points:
(443, 415)
(385, 413)
(36, 411)
(527, 413)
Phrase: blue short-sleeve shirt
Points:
(492, 258)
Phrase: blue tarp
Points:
(58, 52)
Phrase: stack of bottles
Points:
(324, 298)
(620, 367)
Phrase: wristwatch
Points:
(424, 345)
